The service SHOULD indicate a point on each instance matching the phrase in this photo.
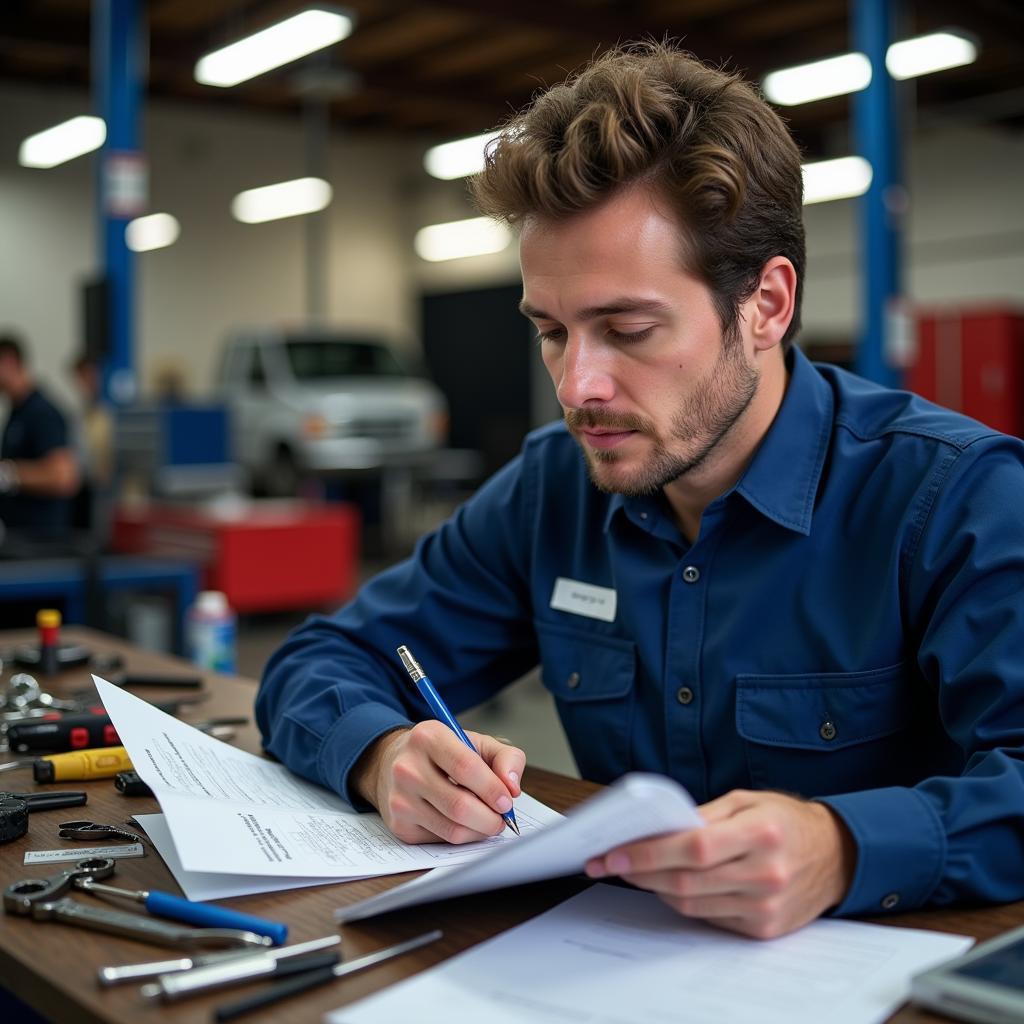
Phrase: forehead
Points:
(631, 243)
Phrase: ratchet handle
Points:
(210, 915)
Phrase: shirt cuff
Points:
(901, 849)
(346, 740)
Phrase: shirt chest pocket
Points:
(592, 678)
(825, 733)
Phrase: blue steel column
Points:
(117, 52)
(877, 134)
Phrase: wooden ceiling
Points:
(447, 68)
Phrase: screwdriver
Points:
(81, 765)
(165, 904)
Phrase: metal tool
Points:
(43, 899)
(123, 973)
(255, 962)
(24, 693)
(91, 831)
(313, 978)
(165, 904)
(16, 807)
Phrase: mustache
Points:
(590, 419)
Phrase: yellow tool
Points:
(82, 765)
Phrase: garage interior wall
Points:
(965, 239)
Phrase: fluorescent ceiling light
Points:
(836, 179)
(279, 44)
(474, 237)
(155, 231)
(834, 76)
(459, 158)
(924, 54)
(285, 199)
(63, 142)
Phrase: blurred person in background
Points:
(39, 472)
(794, 591)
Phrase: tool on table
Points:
(56, 731)
(49, 655)
(442, 714)
(239, 965)
(165, 904)
(81, 765)
(91, 831)
(313, 978)
(25, 696)
(16, 807)
(44, 899)
(129, 679)
(124, 973)
(265, 963)
(130, 784)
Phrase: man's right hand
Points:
(429, 786)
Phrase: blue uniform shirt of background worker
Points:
(847, 626)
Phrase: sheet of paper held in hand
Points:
(232, 812)
(618, 956)
(634, 807)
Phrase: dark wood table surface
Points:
(52, 967)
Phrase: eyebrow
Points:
(625, 304)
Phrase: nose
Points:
(582, 374)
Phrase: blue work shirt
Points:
(848, 625)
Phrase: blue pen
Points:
(441, 712)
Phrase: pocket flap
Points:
(585, 666)
(822, 711)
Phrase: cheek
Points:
(551, 356)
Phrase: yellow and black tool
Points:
(81, 765)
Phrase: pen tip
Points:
(512, 825)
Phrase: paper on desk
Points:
(635, 807)
(231, 812)
(618, 956)
(207, 885)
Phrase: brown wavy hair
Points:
(651, 113)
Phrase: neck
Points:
(692, 493)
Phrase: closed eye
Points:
(632, 336)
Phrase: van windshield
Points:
(318, 358)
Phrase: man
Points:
(793, 591)
(38, 469)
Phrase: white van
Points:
(319, 402)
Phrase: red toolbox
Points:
(264, 555)
(972, 360)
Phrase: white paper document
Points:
(213, 885)
(618, 956)
(234, 813)
(634, 807)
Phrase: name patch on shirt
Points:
(584, 599)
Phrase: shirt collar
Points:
(782, 479)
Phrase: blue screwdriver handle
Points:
(209, 915)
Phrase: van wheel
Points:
(282, 477)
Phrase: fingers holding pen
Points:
(433, 782)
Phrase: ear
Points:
(770, 309)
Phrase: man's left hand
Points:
(764, 864)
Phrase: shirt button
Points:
(890, 901)
(827, 730)
(691, 574)
(573, 681)
(684, 695)
(643, 515)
